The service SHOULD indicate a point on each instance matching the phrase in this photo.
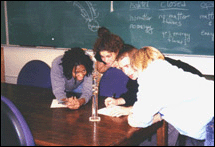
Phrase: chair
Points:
(35, 73)
(209, 141)
(14, 129)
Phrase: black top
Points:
(131, 95)
(184, 66)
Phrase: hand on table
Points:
(109, 102)
(73, 102)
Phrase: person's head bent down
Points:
(124, 58)
(143, 57)
(76, 64)
(107, 46)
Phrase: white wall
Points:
(17, 57)
(205, 64)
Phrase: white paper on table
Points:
(106, 111)
(56, 105)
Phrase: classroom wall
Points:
(16, 57)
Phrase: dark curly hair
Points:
(107, 42)
(74, 57)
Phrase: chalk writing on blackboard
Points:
(93, 24)
(173, 5)
(144, 17)
(147, 28)
(204, 33)
(139, 5)
(175, 27)
(174, 19)
(177, 37)
(208, 17)
(206, 5)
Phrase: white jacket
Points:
(186, 100)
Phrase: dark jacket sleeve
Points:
(184, 66)
(130, 96)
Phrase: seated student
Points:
(113, 83)
(71, 77)
(183, 99)
(123, 59)
(130, 95)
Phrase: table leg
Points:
(162, 134)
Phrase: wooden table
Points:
(62, 126)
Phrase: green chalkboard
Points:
(175, 27)
(54, 23)
(3, 30)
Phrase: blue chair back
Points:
(14, 129)
(35, 73)
(209, 141)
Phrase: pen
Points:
(62, 103)
(112, 97)
(161, 114)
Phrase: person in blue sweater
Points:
(114, 85)
(71, 78)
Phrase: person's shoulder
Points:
(157, 65)
(113, 70)
(90, 76)
(57, 60)
(158, 62)
(115, 73)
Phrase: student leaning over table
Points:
(106, 48)
(71, 77)
(184, 100)
(113, 83)
(123, 58)
(130, 96)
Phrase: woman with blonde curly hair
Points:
(145, 56)
(183, 99)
